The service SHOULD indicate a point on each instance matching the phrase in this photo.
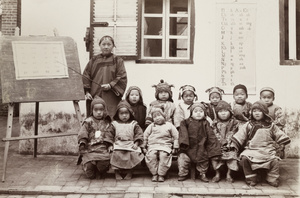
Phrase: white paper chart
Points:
(39, 59)
(235, 45)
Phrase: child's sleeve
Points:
(279, 118)
(147, 132)
(110, 134)
(178, 116)
(213, 146)
(149, 119)
(83, 135)
(279, 136)
(138, 134)
(175, 136)
(239, 138)
(183, 138)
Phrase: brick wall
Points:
(11, 18)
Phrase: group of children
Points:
(214, 134)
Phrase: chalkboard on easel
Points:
(40, 69)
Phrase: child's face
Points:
(188, 97)
(223, 114)
(163, 95)
(257, 114)
(198, 113)
(98, 111)
(239, 96)
(134, 96)
(267, 97)
(158, 118)
(124, 114)
(214, 98)
(106, 46)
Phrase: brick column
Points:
(10, 19)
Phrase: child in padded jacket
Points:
(197, 143)
(128, 139)
(161, 141)
(95, 140)
(163, 95)
(256, 140)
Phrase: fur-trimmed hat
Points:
(261, 106)
(267, 89)
(159, 110)
(223, 105)
(187, 88)
(163, 86)
(124, 104)
(134, 88)
(240, 86)
(217, 90)
(198, 104)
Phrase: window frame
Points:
(284, 36)
(190, 37)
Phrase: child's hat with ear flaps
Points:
(215, 90)
(261, 106)
(163, 86)
(223, 105)
(124, 104)
(187, 88)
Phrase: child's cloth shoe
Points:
(182, 178)
(275, 183)
(128, 175)
(161, 178)
(154, 178)
(229, 180)
(203, 178)
(216, 179)
(118, 175)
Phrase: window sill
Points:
(289, 62)
(171, 61)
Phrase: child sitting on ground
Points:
(163, 95)
(135, 99)
(215, 95)
(95, 140)
(197, 143)
(160, 138)
(224, 129)
(182, 111)
(240, 107)
(129, 136)
(257, 138)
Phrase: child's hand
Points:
(175, 151)
(148, 122)
(110, 149)
(145, 150)
(134, 147)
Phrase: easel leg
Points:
(8, 135)
(77, 110)
(36, 127)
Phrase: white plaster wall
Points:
(71, 17)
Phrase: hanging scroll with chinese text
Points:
(235, 45)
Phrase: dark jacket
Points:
(198, 141)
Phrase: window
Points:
(289, 16)
(148, 31)
(166, 31)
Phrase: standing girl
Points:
(105, 76)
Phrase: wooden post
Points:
(77, 110)
(36, 128)
(8, 135)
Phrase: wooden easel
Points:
(8, 137)
(50, 85)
